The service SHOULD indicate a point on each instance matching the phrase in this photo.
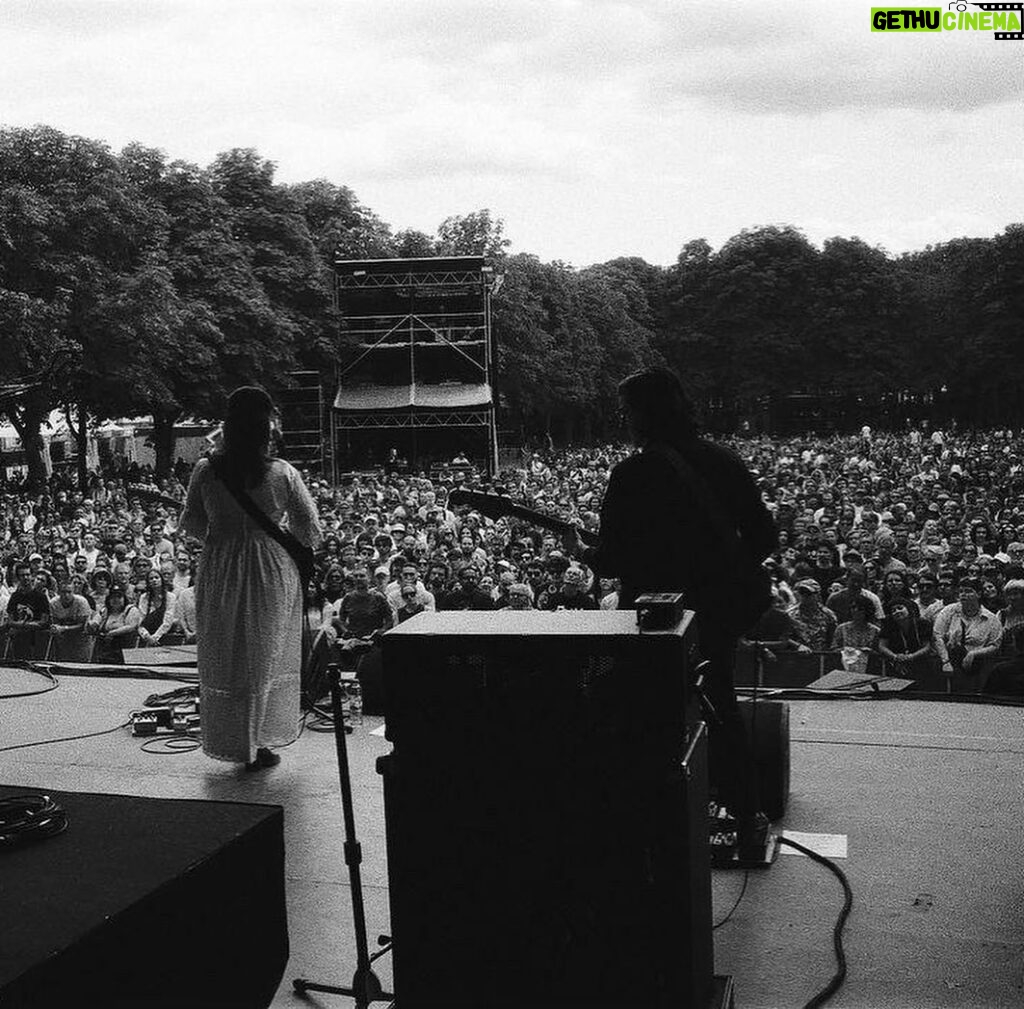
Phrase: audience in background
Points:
(879, 539)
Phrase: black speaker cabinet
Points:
(546, 813)
(767, 725)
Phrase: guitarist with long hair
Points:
(249, 599)
(684, 515)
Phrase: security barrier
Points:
(795, 670)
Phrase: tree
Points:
(76, 242)
(412, 244)
(622, 301)
(241, 289)
(475, 234)
(339, 225)
(289, 316)
(741, 322)
(523, 341)
(861, 344)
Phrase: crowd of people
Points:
(908, 546)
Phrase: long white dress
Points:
(248, 611)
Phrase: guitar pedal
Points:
(659, 611)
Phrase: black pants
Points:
(731, 755)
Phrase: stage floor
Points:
(929, 797)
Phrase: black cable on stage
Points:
(732, 910)
(53, 683)
(837, 932)
(30, 817)
(302, 728)
(65, 739)
(166, 745)
(323, 720)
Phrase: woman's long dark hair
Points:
(243, 457)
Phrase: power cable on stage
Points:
(732, 910)
(66, 739)
(837, 932)
(30, 817)
(52, 683)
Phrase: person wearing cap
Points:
(815, 624)
(249, 594)
(114, 627)
(385, 547)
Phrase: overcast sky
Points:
(595, 129)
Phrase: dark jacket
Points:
(666, 524)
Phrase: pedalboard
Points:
(724, 843)
(178, 719)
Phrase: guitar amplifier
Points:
(546, 813)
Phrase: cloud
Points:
(78, 19)
(604, 125)
(780, 83)
(458, 142)
(910, 234)
(824, 58)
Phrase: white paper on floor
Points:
(379, 731)
(826, 845)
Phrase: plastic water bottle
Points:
(354, 692)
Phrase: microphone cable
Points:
(27, 818)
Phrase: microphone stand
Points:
(366, 986)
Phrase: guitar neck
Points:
(497, 506)
(153, 495)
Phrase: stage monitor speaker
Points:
(546, 813)
(767, 725)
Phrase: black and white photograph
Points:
(511, 506)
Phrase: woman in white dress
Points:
(249, 603)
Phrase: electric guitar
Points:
(134, 490)
(496, 506)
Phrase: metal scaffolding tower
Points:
(417, 377)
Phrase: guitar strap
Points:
(295, 549)
(298, 553)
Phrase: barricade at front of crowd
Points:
(796, 670)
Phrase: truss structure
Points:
(418, 350)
